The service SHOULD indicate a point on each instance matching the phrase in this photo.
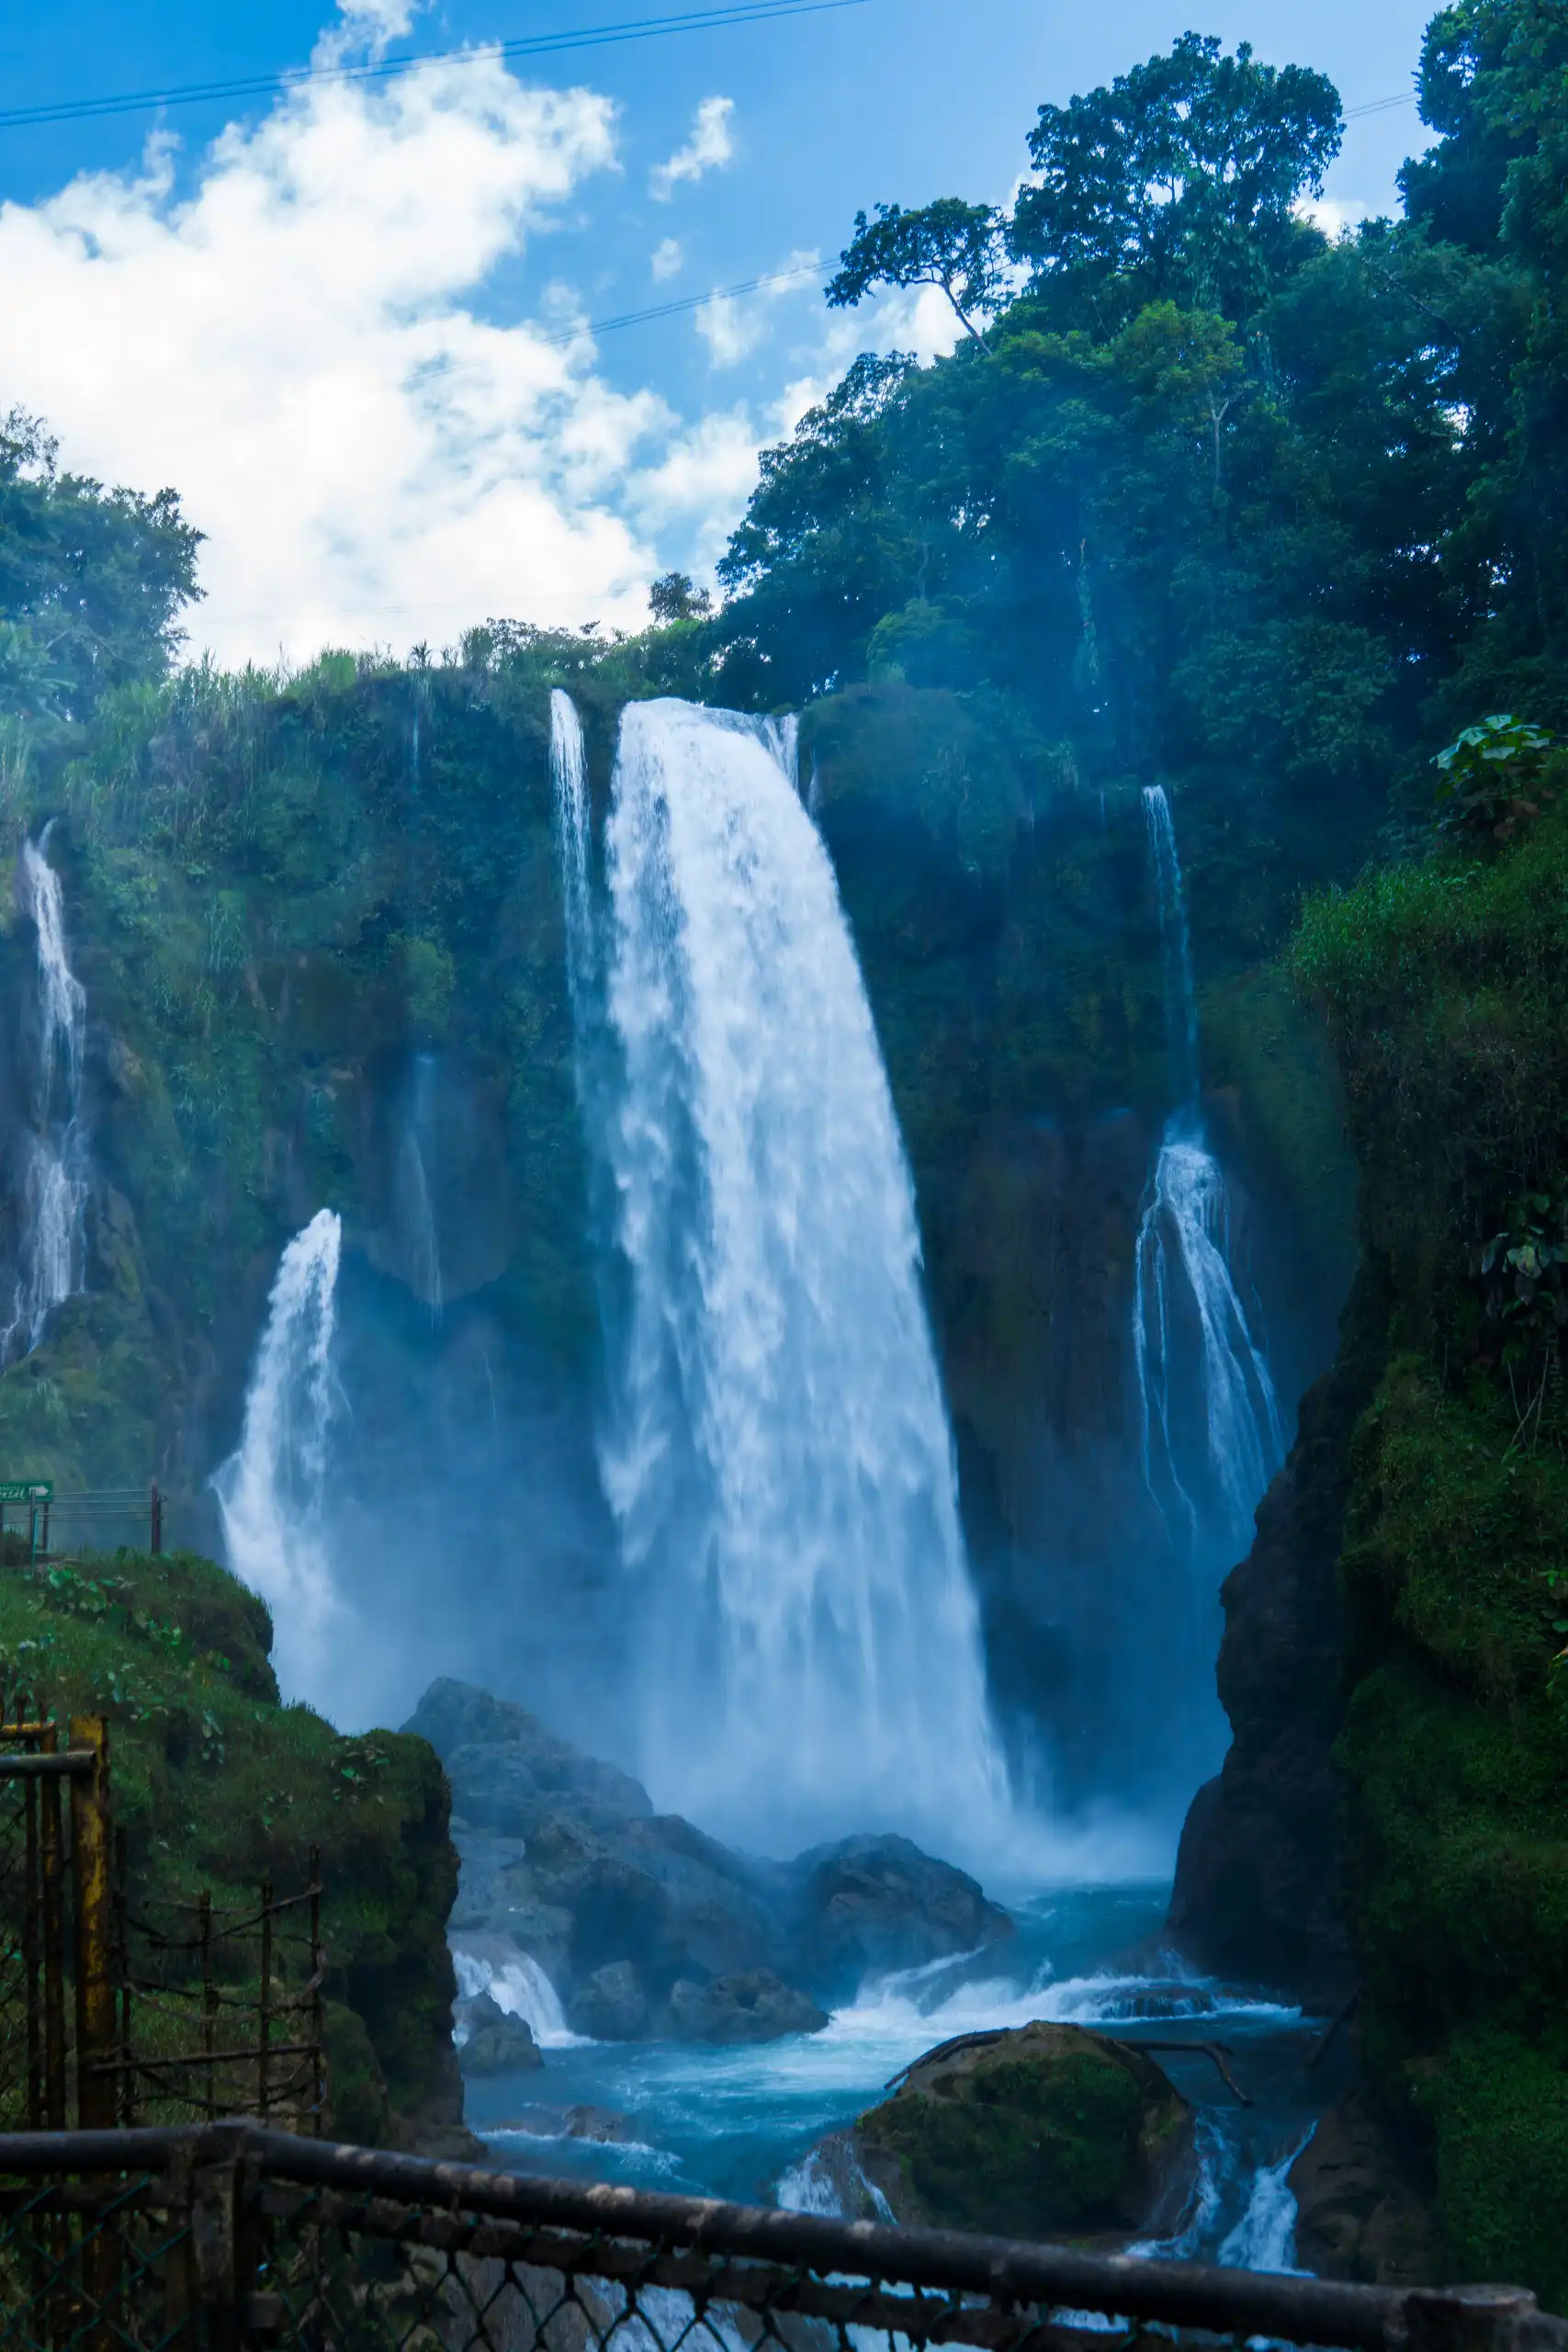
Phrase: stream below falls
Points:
(742, 2124)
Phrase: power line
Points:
(1381, 106)
(672, 310)
(742, 12)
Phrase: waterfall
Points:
(569, 768)
(777, 1459)
(272, 1490)
(52, 1182)
(410, 1189)
(1212, 1431)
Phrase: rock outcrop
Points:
(644, 1925)
(491, 2040)
(1026, 2133)
(1257, 1892)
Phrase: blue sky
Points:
(324, 317)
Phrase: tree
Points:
(91, 581)
(956, 246)
(1181, 178)
(672, 597)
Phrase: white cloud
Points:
(668, 259)
(1333, 214)
(294, 345)
(733, 325)
(709, 148)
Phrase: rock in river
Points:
(754, 2006)
(1029, 2133)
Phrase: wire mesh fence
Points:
(232, 2235)
(120, 2007)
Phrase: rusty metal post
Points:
(52, 1906)
(263, 2047)
(155, 1514)
(93, 1841)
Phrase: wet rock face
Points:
(755, 2006)
(495, 2042)
(1029, 2133)
(507, 1771)
(868, 1905)
(1363, 2209)
(564, 1857)
(1256, 1891)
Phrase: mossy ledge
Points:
(1443, 980)
(219, 1785)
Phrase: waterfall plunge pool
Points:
(740, 2123)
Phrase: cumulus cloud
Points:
(733, 325)
(667, 258)
(707, 149)
(1333, 215)
(296, 344)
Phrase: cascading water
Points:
(272, 1490)
(52, 1180)
(1212, 1431)
(778, 1460)
(411, 1189)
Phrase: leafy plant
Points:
(1490, 778)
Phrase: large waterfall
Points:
(1212, 1431)
(778, 1460)
(272, 1490)
(52, 1179)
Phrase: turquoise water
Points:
(740, 2123)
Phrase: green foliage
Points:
(1179, 179)
(1489, 775)
(91, 582)
(949, 244)
(218, 1785)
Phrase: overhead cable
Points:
(690, 20)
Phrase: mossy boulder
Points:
(1029, 2134)
(218, 1785)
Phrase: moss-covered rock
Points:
(215, 1785)
(1030, 2134)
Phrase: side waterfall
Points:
(1212, 1431)
(52, 1183)
(411, 1189)
(272, 1489)
(778, 1459)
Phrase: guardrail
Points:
(229, 2235)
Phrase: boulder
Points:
(753, 2005)
(1031, 2132)
(611, 2006)
(1364, 2210)
(868, 1905)
(491, 2041)
(599, 2124)
(507, 1770)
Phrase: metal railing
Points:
(58, 1524)
(227, 2235)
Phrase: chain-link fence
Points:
(228, 2236)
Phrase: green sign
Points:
(26, 1490)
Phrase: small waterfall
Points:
(569, 769)
(52, 1180)
(411, 1203)
(778, 1461)
(272, 1490)
(520, 1987)
(1213, 1436)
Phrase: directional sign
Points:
(26, 1490)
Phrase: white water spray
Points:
(272, 1490)
(52, 1180)
(1212, 1435)
(779, 1462)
